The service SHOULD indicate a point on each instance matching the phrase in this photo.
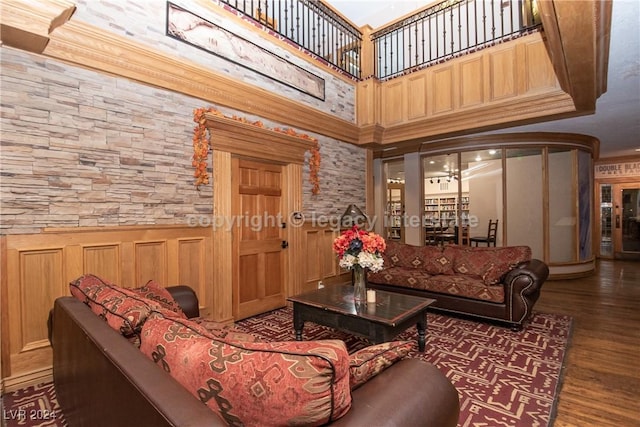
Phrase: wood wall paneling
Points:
(189, 263)
(417, 96)
(393, 99)
(151, 262)
(366, 102)
(37, 269)
(103, 261)
(502, 73)
(442, 90)
(321, 263)
(538, 78)
(471, 82)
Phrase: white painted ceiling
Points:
(616, 122)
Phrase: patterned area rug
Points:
(504, 378)
(31, 407)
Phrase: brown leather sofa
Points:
(495, 284)
(101, 379)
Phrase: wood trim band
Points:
(249, 140)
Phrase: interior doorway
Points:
(258, 237)
(619, 220)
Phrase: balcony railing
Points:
(311, 25)
(434, 34)
(448, 29)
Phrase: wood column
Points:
(222, 238)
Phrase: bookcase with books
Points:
(444, 207)
(395, 212)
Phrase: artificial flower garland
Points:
(201, 147)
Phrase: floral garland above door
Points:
(201, 147)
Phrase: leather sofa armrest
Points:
(102, 380)
(186, 299)
(409, 393)
(534, 271)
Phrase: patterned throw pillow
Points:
(153, 291)
(257, 384)
(368, 362)
(490, 264)
(224, 331)
(124, 310)
(402, 255)
(435, 260)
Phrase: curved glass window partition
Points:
(539, 187)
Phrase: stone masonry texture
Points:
(79, 148)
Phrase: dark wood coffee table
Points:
(333, 306)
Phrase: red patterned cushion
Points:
(491, 264)
(160, 295)
(402, 255)
(261, 384)
(435, 260)
(226, 332)
(124, 310)
(368, 362)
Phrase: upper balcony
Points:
(452, 68)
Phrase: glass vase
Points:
(359, 285)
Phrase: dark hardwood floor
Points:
(602, 378)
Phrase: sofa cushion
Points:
(466, 286)
(368, 362)
(462, 285)
(153, 291)
(435, 260)
(266, 384)
(408, 277)
(224, 331)
(402, 255)
(490, 264)
(125, 310)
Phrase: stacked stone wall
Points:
(80, 148)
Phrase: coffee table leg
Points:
(422, 327)
(298, 323)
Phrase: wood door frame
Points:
(616, 198)
(229, 138)
(265, 303)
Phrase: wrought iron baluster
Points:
(417, 60)
(451, 30)
(493, 20)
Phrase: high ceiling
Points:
(616, 122)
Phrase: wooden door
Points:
(626, 220)
(258, 252)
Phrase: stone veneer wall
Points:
(81, 148)
(145, 22)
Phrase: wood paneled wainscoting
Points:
(321, 263)
(37, 268)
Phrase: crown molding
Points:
(27, 24)
(91, 47)
(251, 140)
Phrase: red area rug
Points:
(503, 378)
(31, 407)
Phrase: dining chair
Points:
(490, 239)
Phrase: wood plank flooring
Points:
(602, 378)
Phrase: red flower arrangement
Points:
(357, 247)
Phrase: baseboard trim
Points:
(17, 382)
